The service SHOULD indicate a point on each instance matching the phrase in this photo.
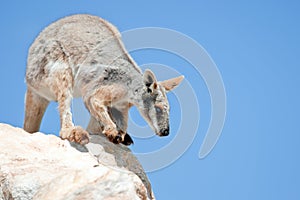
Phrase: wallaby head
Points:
(154, 105)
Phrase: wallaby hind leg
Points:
(35, 107)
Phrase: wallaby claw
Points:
(127, 140)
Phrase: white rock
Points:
(38, 166)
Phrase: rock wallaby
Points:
(83, 56)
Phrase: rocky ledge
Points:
(39, 166)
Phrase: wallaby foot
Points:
(113, 135)
(75, 134)
(126, 139)
(121, 137)
(118, 137)
(96, 127)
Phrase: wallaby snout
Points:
(164, 132)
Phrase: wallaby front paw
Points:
(118, 137)
(75, 134)
(126, 139)
(113, 135)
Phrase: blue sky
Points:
(256, 46)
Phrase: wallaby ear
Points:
(150, 80)
(149, 77)
(170, 84)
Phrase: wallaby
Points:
(83, 56)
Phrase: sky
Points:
(255, 46)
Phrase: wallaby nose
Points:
(165, 132)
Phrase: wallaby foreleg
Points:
(62, 88)
(100, 112)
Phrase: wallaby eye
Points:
(158, 109)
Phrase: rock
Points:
(39, 166)
(110, 154)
